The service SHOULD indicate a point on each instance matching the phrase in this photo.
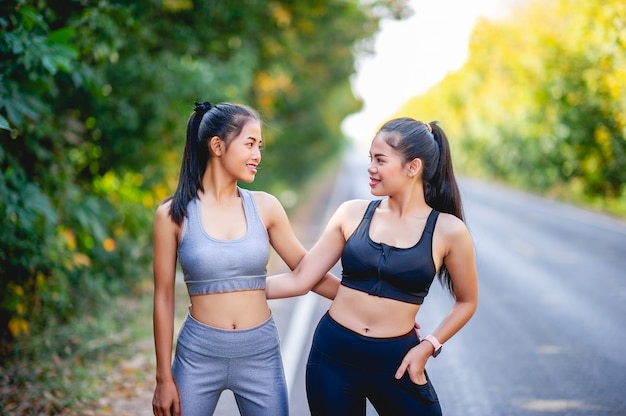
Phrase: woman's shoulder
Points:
(451, 226)
(164, 207)
(163, 215)
(352, 209)
(269, 208)
(353, 205)
(264, 200)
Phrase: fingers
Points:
(418, 378)
(400, 371)
(417, 327)
(162, 405)
(159, 411)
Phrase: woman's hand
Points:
(417, 328)
(414, 363)
(166, 401)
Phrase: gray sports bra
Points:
(213, 266)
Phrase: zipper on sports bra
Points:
(382, 261)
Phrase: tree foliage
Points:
(541, 101)
(94, 99)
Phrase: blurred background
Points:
(95, 96)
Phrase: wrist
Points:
(164, 378)
(437, 346)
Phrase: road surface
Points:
(549, 334)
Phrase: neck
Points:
(410, 202)
(217, 185)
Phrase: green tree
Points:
(540, 101)
(94, 97)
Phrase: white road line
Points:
(300, 323)
(299, 327)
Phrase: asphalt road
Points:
(549, 336)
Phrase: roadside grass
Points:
(65, 369)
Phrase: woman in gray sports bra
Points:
(220, 234)
(391, 249)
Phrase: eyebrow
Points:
(379, 154)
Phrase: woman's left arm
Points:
(461, 265)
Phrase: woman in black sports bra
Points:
(391, 250)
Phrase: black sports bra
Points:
(403, 274)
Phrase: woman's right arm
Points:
(166, 400)
(316, 263)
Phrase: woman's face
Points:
(387, 170)
(243, 154)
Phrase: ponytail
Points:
(441, 190)
(195, 157)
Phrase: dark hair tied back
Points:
(202, 108)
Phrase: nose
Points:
(256, 155)
(371, 168)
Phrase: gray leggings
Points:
(210, 360)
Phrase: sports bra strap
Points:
(431, 221)
(369, 212)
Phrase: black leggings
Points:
(345, 368)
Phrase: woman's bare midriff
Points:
(372, 316)
(232, 310)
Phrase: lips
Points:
(253, 168)
(374, 181)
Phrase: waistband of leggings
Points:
(342, 345)
(225, 330)
(228, 343)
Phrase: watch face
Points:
(437, 351)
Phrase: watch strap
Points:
(435, 343)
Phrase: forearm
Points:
(327, 286)
(284, 285)
(456, 318)
(163, 326)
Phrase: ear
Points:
(415, 167)
(216, 145)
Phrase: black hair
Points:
(224, 120)
(429, 143)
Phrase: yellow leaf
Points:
(81, 259)
(108, 244)
(18, 326)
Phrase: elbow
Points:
(301, 290)
(471, 309)
(468, 307)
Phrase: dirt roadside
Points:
(131, 382)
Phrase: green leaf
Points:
(4, 123)
(62, 36)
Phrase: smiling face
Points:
(243, 154)
(387, 170)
